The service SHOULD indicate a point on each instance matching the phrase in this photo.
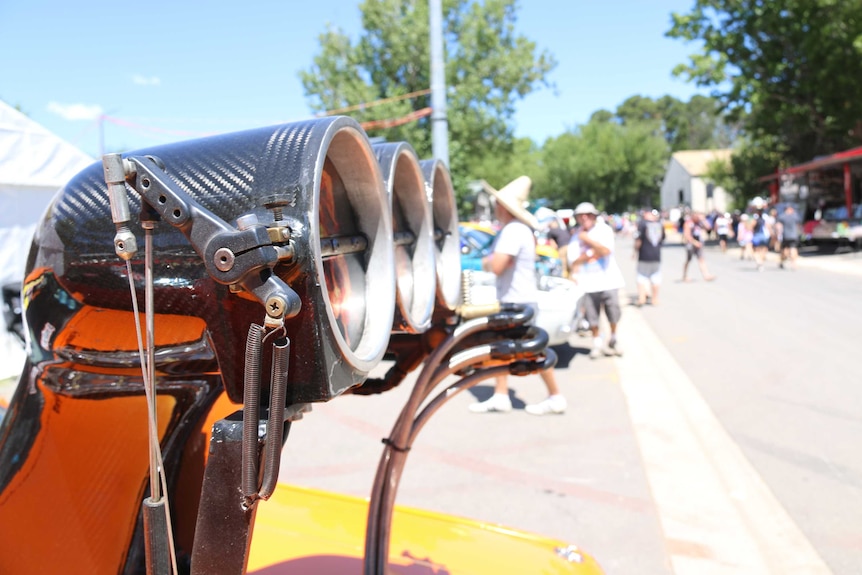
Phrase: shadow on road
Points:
(565, 355)
(484, 392)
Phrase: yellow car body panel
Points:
(547, 251)
(302, 530)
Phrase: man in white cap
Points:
(591, 258)
(513, 261)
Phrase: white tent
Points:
(34, 164)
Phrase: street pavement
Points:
(717, 444)
(725, 440)
(773, 353)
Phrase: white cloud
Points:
(76, 111)
(145, 81)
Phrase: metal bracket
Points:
(244, 257)
(224, 527)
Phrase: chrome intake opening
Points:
(414, 255)
(446, 238)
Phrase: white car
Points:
(558, 302)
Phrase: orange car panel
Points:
(88, 462)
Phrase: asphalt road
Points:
(727, 439)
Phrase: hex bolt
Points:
(125, 244)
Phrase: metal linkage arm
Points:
(244, 256)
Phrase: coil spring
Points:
(251, 416)
(466, 287)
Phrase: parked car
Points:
(559, 298)
(834, 227)
(476, 242)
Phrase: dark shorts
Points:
(649, 273)
(722, 237)
(593, 303)
(693, 252)
(787, 244)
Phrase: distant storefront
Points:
(827, 192)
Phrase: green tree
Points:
(602, 116)
(524, 157)
(615, 166)
(792, 69)
(698, 124)
(489, 66)
(751, 160)
(637, 109)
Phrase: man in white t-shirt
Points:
(513, 261)
(592, 264)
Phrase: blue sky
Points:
(167, 71)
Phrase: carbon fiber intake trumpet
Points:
(310, 206)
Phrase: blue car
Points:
(475, 244)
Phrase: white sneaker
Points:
(497, 403)
(554, 404)
(596, 352)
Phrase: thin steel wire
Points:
(152, 430)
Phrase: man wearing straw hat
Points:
(513, 261)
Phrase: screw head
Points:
(275, 306)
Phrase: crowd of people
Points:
(587, 253)
(588, 259)
(756, 231)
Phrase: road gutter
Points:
(717, 513)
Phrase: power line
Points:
(376, 102)
(393, 122)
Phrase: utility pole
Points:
(439, 121)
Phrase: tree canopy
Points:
(616, 166)
(698, 124)
(616, 160)
(489, 66)
(791, 70)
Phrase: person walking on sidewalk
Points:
(650, 236)
(513, 261)
(790, 222)
(693, 235)
(723, 230)
(761, 238)
(591, 253)
(744, 236)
